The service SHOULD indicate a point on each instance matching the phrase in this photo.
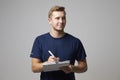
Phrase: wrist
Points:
(72, 68)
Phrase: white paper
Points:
(53, 66)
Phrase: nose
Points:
(61, 20)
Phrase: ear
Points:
(49, 20)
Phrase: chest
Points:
(62, 49)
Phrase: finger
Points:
(66, 69)
(57, 59)
(51, 58)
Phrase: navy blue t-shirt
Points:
(67, 47)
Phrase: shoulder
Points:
(72, 37)
(42, 36)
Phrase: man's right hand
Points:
(53, 59)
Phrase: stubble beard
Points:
(59, 30)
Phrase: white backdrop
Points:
(95, 22)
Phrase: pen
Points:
(57, 59)
(50, 53)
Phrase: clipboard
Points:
(54, 66)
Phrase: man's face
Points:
(57, 20)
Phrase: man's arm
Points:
(80, 68)
(36, 65)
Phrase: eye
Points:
(57, 18)
(63, 18)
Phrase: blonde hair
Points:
(56, 8)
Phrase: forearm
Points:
(78, 69)
(37, 67)
(37, 64)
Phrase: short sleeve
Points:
(36, 50)
(80, 52)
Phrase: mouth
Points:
(61, 25)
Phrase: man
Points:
(64, 47)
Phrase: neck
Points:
(57, 34)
